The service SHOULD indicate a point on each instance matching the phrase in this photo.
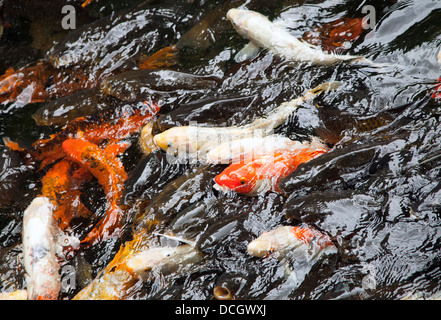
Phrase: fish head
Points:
(176, 141)
(239, 18)
(239, 177)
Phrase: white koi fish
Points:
(39, 250)
(196, 142)
(248, 149)
(265, 34)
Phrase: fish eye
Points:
(243, 180)
(169, 144)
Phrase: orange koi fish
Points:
(111, 175)
(263, 173)
(106, 125)
(15, 82)
(61, 186)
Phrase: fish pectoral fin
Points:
(250, 51)
(309, 44)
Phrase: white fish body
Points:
(166, 259)
(196, 142)
(39, 250)
(249, 148)
(268, 35)
(288, 238)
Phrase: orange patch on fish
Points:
(306, 235)
(437, 92)
(31, 78)
(332, 36)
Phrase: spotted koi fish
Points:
(111, 175)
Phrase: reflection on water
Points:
(376, 193)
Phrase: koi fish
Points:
(25, 81)
(134, 261)
(39, 250)
(106, 125)
(287, 238)
(163, 58)
(263, 173)
(111, 175)
(249, 148)
(167, 259)
(14, 295)
(60, 186)
(336, 35)
(195, 142)
(263, 33)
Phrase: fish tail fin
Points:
(327, 86)
(86, 3)
(176, 238)
(12, 145)
(110, 226)
(165, 57)
(364, 62)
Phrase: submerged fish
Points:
(39, 250)
(135, 262)
(263, 173)
(111, 175)
(287, 238)
(194, 142)
(111, 125)
(263, 33)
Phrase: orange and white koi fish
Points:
(195, 142)
(39, 250)
(287, 238)
(111, 175)
(263, 173)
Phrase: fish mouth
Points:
(220, 188)
(232, 14)
(160, 141)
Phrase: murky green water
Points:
(376, 194)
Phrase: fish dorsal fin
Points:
(176, 238)
(250, 51)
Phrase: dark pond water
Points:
(377, 193)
